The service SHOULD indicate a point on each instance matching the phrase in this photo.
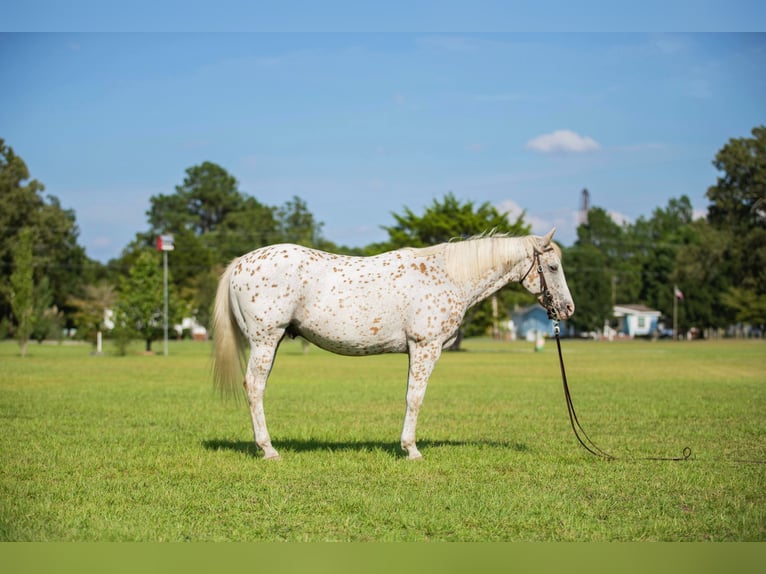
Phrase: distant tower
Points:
(584, 207)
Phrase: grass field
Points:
(140, 448)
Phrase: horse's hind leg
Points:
(258, 369)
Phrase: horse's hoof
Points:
(415, 457)
(272, 456)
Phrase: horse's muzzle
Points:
(556, 312)
(562, 312)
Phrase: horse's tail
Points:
(229, 345)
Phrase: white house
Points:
(197, 331)
(636, 320)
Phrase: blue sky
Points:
(361, 125)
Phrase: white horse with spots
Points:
(405, 301)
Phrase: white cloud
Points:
(510, 208)
(619, 218)
(699, 214)
(513, 210)
(564, 220)
(562, 141)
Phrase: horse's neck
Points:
(491, 263)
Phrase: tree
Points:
(212, 222)
(196, 210)
(600, 271)
(91, 309)
(615, 243)
(297, 224)
(210, 209)
(253, 226)
(738, 199)
(750, 308)
(701, 271)
(738, 211)
(47, 320)
(657, 242)
(56, 252)
(22, 286)
(590, 282)
(208, 194)
(140, 299)
(449, 219)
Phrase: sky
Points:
(363, 124)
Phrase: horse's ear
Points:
(545, 241)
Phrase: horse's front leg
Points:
(258, 369)
(423, 357)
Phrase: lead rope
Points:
(585, 440)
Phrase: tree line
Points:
(717, 262)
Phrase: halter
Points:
(544, 291)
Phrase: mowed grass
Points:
(141, 448)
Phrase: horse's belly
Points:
(355, 347)
(353, 336)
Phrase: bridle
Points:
(547, 298)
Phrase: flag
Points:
(677, 293)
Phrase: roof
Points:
(635, 309)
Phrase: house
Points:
(189, 327)
(629, 321)
(636, 320)
(532, 321)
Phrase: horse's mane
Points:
(470, 258)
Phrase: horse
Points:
(410, 300)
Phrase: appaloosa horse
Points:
(404, 301)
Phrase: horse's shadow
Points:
(307, 445)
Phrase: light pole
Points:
(165, 244)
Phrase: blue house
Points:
(533, 320)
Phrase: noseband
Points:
(547, 298)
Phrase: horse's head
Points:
(545, 278)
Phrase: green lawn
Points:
(141, 448)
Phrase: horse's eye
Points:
(553, 267)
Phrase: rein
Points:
(580, 433)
